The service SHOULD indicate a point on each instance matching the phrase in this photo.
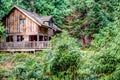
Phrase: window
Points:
(20, 38)
(50, 23)
(22, 22)
(40, 38)
(45, 38)
(49, 38)
(9, 39)
(33, 38)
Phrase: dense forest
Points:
(72, 57)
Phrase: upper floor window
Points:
(50, 23)
(22, 21)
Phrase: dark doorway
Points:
(9, 39)
(33, 38)
(40, 38)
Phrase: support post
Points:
(37, 37)
(43, 38)
(14, 38)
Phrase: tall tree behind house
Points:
(88, 18)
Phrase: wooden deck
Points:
(24, 46)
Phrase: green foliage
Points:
(106, 46)
(107, 66)
(27, 70)
(2, 30)
(23, 66)
(63, 59)
(58, 9)
(89, 16)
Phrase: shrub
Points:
(64, 58)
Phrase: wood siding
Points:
(14, 26)
(24, 33)
(13, 22)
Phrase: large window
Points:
(22, 23)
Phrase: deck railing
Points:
(25, 45)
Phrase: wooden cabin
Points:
(27, 31)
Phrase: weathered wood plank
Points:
(14, 26)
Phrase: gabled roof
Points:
(46, 18)
(36, 18)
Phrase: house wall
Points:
(13, 25)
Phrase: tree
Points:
(107, 49)
(88, 17)
(2, 30)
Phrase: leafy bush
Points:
(26, 66)
(64, 58)
(28, 70)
